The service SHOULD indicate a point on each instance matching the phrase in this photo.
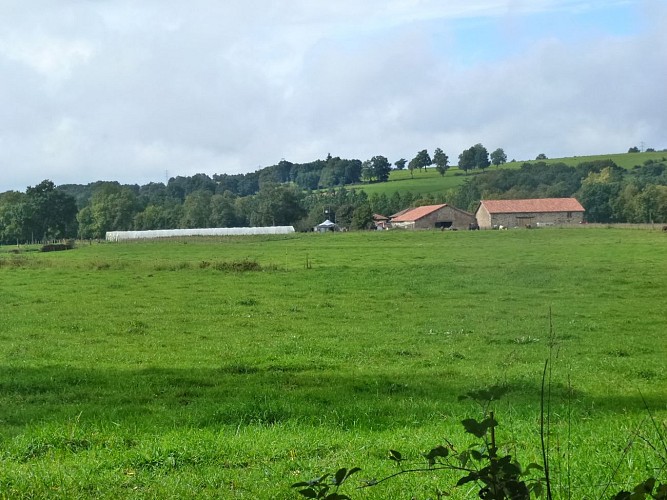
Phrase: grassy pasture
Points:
(425, 182)
(430, 181)
(151, 370)
(624, 160)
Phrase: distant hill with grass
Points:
(430, 181)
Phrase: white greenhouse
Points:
(213, 231)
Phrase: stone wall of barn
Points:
(403, 225)
(458, 218)
(483, 218)
(532, 219)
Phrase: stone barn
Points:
(442, 216)
(534, 212)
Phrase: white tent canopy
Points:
(327, 225)
(213, 231)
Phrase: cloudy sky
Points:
(134, 90)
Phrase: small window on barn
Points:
(569, 215)
(443, 224)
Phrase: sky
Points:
(139, 91)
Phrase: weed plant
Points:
(132, 370)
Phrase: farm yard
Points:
(234, 367)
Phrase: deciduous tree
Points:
(277, 205)
(498, 157)
(441, 161)
(422, 160)
(481, 156)
(467, 160)
(381, 168)
(50, 214)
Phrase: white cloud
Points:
(126, 90)
(52, 57)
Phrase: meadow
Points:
(234, 367)
(429, 181)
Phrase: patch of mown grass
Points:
(181, 378)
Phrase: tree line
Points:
(608, 192)
(283, 195)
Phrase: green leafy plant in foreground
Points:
(499, 477)
(321, 486)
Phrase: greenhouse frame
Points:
(180, 233)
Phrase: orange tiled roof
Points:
(400, 212)
(534, 205)
(417, 213)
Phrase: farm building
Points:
(380, 221)
(534, 212)
(433, 217)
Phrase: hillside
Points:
(430, 181)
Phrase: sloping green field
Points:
(425, 182)
(624, 160)
(430, 181)
(234, 367)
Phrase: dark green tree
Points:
(152, 217)
(223, 212)
(344, 215)
(411, 167)
(541, 156)
(367, 173)
(362, 217)
(381, 168)
(13, 229)
(422, 160)
(400, 164)
(467, 196)
(498, 157)
(112, 208)
(50, 214)
(481, 156)
(277, 205)
(467, 160)
(598, 193)
(441, 161)
(311, 180)
(197, 210)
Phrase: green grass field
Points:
(151, 370)
(425, 182)
(624, 160)
(430, 181)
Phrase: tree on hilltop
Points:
(474, 157)
(422, 160)
(441, 161)
(381, 168)
(498, 157)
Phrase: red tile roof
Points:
(401, 212)
(534, 205)
(417, 213)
